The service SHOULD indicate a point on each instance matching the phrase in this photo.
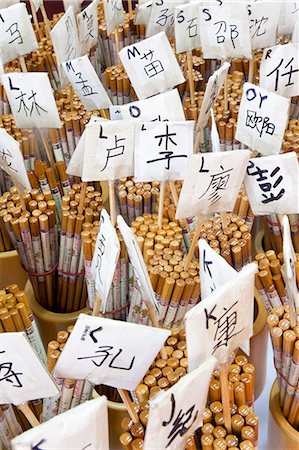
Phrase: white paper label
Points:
(175, 414)
(11, 159)
(17, 36)
(263, 23)
(161, 17)
(212, 183)
(82, 428)
(262, 119)
(186, 27)
(162, 150)
(86, 83)
(288, 14)
(105, 257)
(151, 66)
(109, 352)
(279, 70)
(109, 150)
(224, 31)
(31, 100)
(161, 107)
(88, 27)
(65, 41)
(272, 184)
(22, 375)
(140, 271)
(114, 14)
(223, 321)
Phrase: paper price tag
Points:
(175, 414)
(31, 100)
(224, 320)
(262, 119)
(22, 375)
(109, 150)
(159, 108)
(86, 83)
(11, 159)
(109, 352)
(272, 184)
(151, 66)
(82, 428)
(162, 150)
(224, 31)
(212, 183)
(17, 36)
(105, 257)
(279, 69)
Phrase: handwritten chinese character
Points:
(222, 37)
(164, 18)
(89, 22)
(7, 157)
(217, 185)
(265, 183)
(225, 325)
(256, 27)
(85, 88)
(113, 152)
(288, 73)
(181, 423)
(103, 353)
(9, 375)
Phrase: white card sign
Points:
(279, 70)
(212, 91)
(224, 31)
(162, 150)
(75, 166)
(22, 375)
(82, 428)
(263, 23)
(143, 12)
(212, 183)
(214, 270)
(140, 271)
(86, 83)
(114, 14)
(223, 321)
(88, 27)
(31, 100)
(186, 27)
(105, 257)
(161, 107)
(17, 36)
(289, 12)
(161, 17)
(151, 66)
(288, 268)
(65, 41)
(109, 352)
(262, 119)
(272, 184)
(184, 404)
(11, 159)
(109, 150)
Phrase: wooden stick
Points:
(34, 15)
(155, 324)
(250, 73)
(46, 20)
(22, 64)
(193, 244)
(128, 404)
(20, 193)
(223, 220)
(48, 149)
(96, 306)
(24, 408)
(112, 202)
(82, 197)
(190, 77)
(225, 400)
(130, 9)
(174, 193)
(225, 94)
(117, 46)
(161, 204)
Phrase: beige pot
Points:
(11, 270)
(281, 435)
(49, 322)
